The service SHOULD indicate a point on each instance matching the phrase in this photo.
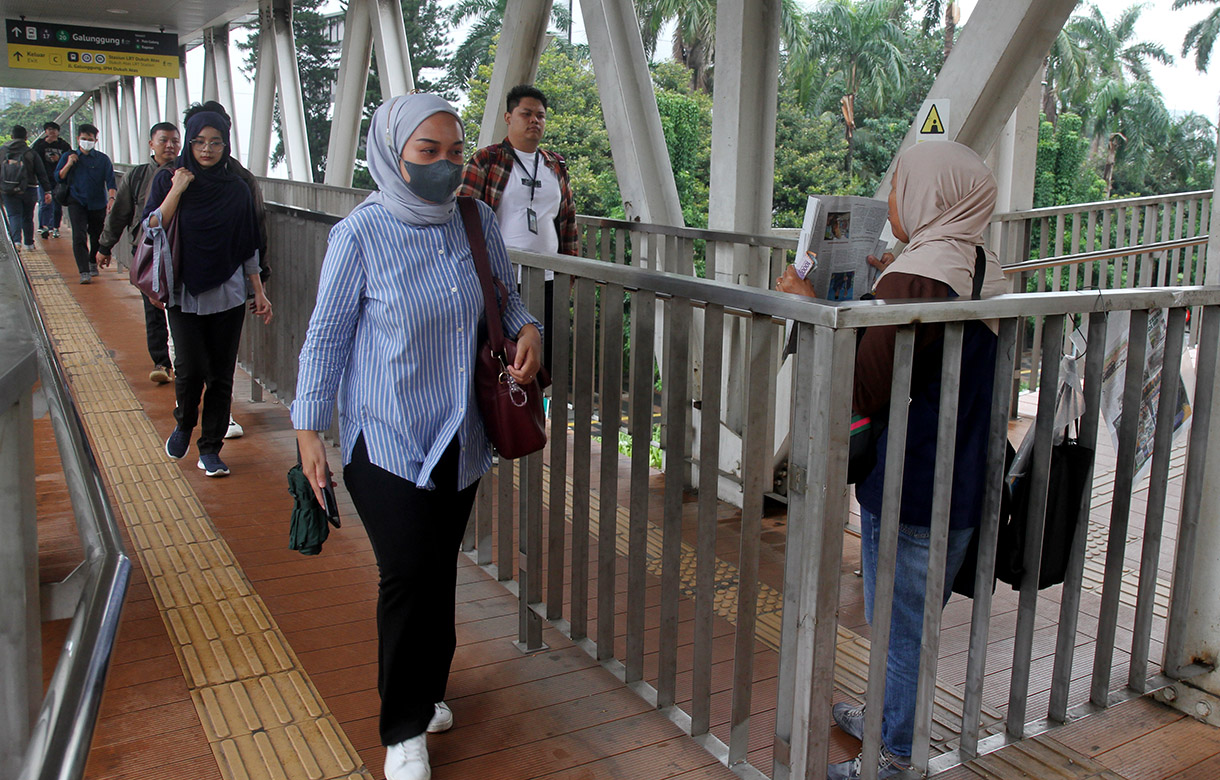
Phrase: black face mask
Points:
(434, 182)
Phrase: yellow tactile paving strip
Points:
(261, 713)
(852, 649)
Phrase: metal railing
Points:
(636, 579)
(59, 737)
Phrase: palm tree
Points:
(857, 50)
(1128, 118)
(475, 48)
(694, 41)
(1111, 50)
(1201, 36)
(1066, 74)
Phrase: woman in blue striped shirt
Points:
(392, 339)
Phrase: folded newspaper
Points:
(838, 235)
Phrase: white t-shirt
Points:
(514, 223)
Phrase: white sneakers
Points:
(442, 720)
(409, 760)
(235, 430)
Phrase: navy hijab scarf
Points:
(216, 219)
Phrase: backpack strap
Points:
(980, 270)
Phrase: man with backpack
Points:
(21, 173)
(164, 143)
(50, 148)
(91, 189)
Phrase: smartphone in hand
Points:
(332, 506)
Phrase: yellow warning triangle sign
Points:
(932, 123)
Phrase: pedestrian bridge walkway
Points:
(238, 658)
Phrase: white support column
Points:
(743, 131)
(211, 89)
(100, 118)
(288, 83)
(150, 107)
(1211, 273)
(999, 52)
(350, 85)
(522, 39)
(177, 96)
(224, 82)
(1014, 156)
(264, 93)
(393, 54)
(114, 131)
(641, 159)
(131, 122)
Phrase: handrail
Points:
(1075, 208)
(60, 738)
(749, 239)
(1106, 254)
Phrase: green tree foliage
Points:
(486, 19)
(855, 53)
(1183, 159)
(808, 159)
(1061, 175)
(1201, 37)
(317, 63)
(33, 115)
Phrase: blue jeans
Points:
(20, 211)
(906, 623)
(50, 215)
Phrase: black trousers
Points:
(157, 333)
(205, 355)
(86, 232)
(415, 536)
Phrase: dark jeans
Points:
(50, 215)
(205, 355)
(86, 226)
(157, 333)
(415, 536)
(20, 212)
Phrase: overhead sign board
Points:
(72, 49)
(932, 121)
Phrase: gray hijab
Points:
(393, 123)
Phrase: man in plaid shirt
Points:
(527, 187)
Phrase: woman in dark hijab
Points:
(217, 272)
(392, 339)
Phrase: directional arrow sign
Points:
(43, 46)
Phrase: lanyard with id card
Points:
(531, 216)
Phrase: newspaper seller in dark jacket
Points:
(21, 174)
(127, 213)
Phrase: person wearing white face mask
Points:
(90, 177)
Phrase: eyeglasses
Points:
(212, 146)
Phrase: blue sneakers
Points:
(178, 442)
(212, 465)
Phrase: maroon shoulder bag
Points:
(512, 414)
(155, 264)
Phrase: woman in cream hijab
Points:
(392, 340)
(941, 202)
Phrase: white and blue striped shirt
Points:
(393, 337)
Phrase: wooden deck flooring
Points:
(556, 714)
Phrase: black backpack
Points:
(13, 176)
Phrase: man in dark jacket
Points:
(90, 177)
(164, 143)
(21, 174)
(50, 148)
